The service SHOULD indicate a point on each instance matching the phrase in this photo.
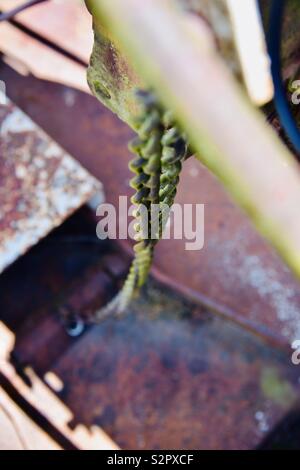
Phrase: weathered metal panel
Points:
(40, 184)
(236, 272)
(170, 374)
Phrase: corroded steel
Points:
(236, 273)
(171, 373)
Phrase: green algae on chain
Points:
(159, 150)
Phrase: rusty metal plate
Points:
(236, 273)
(40, 184)
(170, 374)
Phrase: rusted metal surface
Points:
(77, 264)
(81, 273)
(170, 374)
(236, 273)
(41, 185)
(236, 269)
